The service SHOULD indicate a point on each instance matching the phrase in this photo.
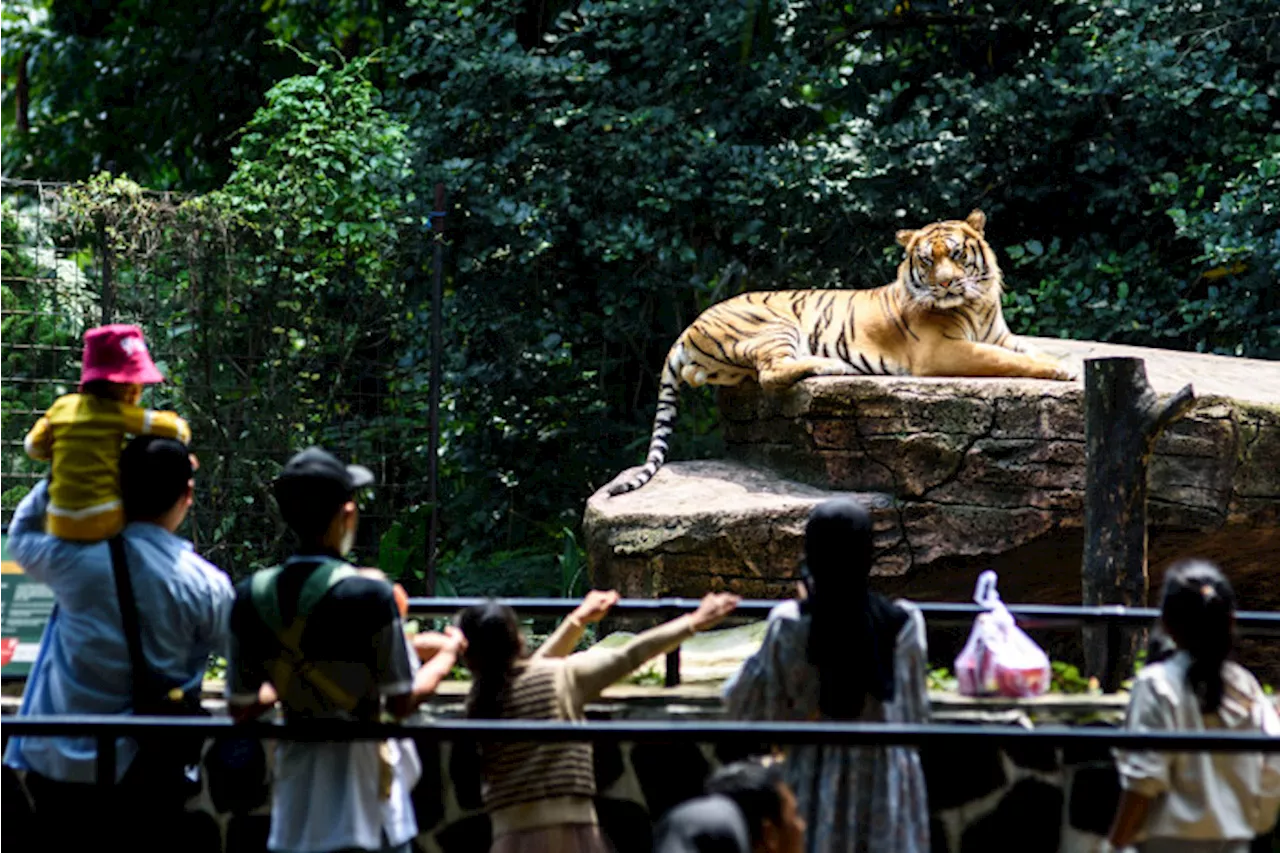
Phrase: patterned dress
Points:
(864, 799)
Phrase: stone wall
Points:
(1034, 800)
(961, 475)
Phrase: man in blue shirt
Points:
(184, 605)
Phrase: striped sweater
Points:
(532, 785)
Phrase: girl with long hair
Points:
(1197, 802)
(843, 652)
(540, 795)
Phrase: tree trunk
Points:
(1122, 420)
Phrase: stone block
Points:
(200, 833)
(428, 805)
(1028, 819)
(960, 774)
(609, 765)
(1043, 758)
(669, 773)
(627, 826)
(15, 812)
(465, 773)
(248, 833)
(466, 835)
(1095, 793)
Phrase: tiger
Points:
(940, 317)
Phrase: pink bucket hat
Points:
(118, 353)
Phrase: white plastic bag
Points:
(999, 658)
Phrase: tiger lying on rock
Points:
(940, 317)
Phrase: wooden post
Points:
(1122, 420)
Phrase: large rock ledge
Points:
(963, 474)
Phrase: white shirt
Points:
(339, 781)
(325, 795)
(1201, 796)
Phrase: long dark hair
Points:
(1198, 611)
(838, 555)
(493, 646)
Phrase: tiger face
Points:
(949, 264)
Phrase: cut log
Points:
(1123, 417)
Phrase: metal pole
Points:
(108, 285)
(672, 677)
(433, 441)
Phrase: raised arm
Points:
(140, 421)
(565, 638)
(39, 442)
(39, 553)
(594, 670)
(428, 677)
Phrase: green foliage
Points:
(941, 679)
(1066, 678)
(145, 87)
(322, 176)
(36, 366)
(614, 168)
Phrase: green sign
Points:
(24, 612)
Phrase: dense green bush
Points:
(38, 338)
(615, 167)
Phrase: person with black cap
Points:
(843, 652)
(327, 640)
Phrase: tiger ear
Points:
(905, 236)
(977, 220)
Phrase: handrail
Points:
(1248, 622)
(649, 731)
(105, 728)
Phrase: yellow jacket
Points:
(83, 435)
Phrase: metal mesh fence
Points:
(260, 363)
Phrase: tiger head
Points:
(948, 264)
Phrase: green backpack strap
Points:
(265, 592)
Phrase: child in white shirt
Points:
(1196, 802)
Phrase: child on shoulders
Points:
(82, 433)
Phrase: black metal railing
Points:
(105, 729)
(1033, 616)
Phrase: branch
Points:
(1159, 417)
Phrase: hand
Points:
(429, 643)
(594, 606)
(714, 607)
(455, 641)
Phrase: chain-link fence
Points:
(259, 361)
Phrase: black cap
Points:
(313, 486)
(316, 464)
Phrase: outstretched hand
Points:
(714, 607)
(428, 643)
(595, 605)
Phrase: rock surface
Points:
(963, 474)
